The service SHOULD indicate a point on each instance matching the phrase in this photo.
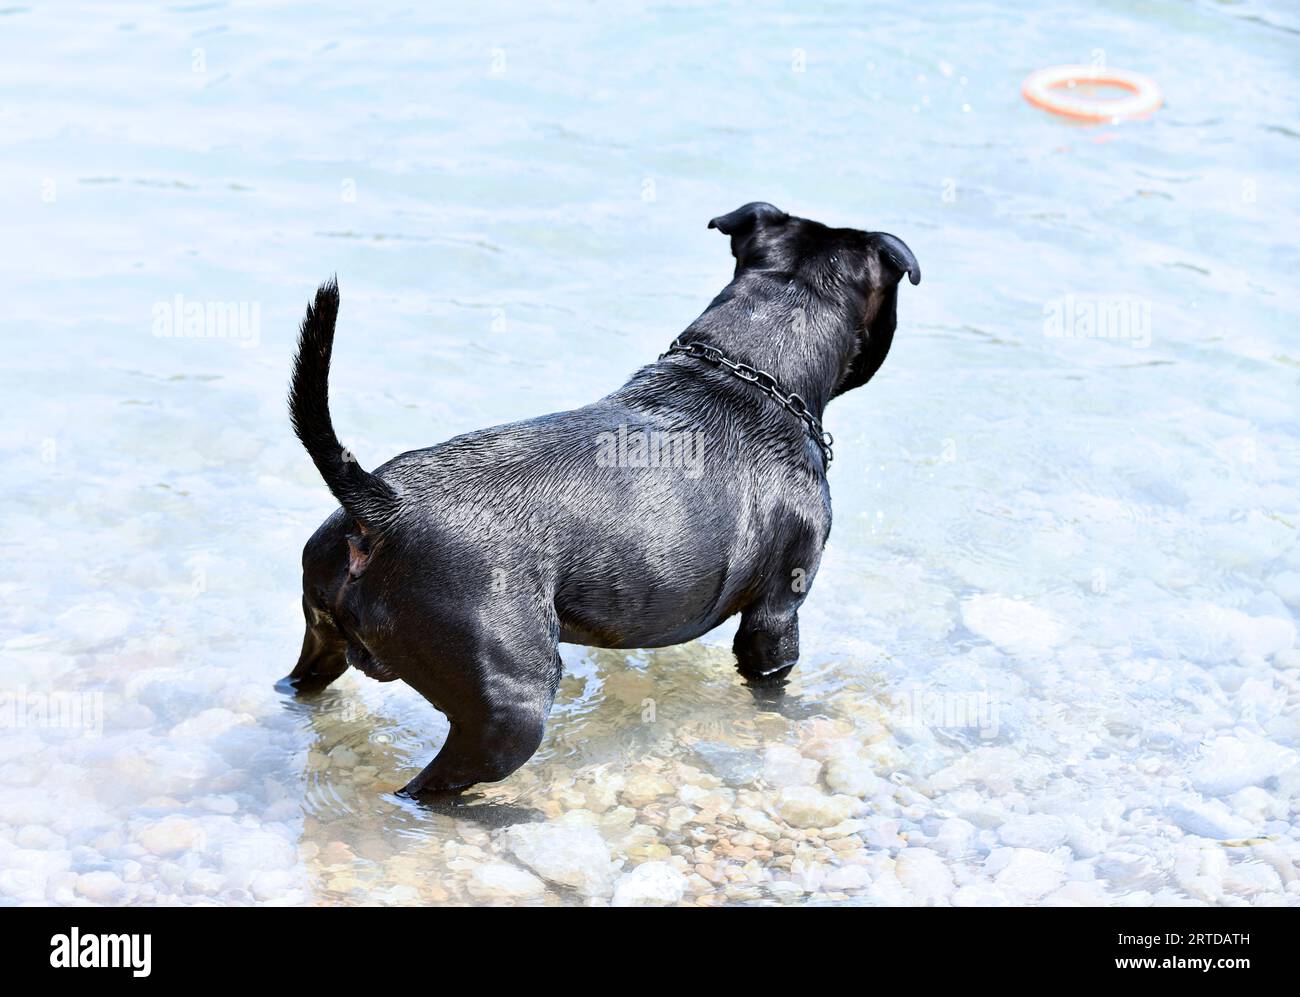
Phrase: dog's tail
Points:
(365, 497)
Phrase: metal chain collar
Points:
(766, 383)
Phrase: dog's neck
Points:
(804, 338)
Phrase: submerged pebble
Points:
(502, 881)
(651, 884)
(573, 856)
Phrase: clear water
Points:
(1051, 653)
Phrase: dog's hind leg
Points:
(323, 657)
(497, 718)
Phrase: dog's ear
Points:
(747, 226)
(896, 257)
(877, 333)
(744, 219)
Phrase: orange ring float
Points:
(1050, 89)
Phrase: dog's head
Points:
(857, 273)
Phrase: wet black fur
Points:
(458, 568)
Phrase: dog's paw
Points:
(289, 685)
(302, 685)
(429, 794)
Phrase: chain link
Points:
(766, 383)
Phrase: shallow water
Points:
(1051, 654)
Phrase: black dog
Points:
(642, 520)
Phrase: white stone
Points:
(208, 725)
(998, 768)
(23, 885)
(845, 828)
(1277, 857)
(1228, 633)
(399, 895)
(1127, 871)
(853, 775)
(1040, 831)
(882, 833)
(843, 878)
(1085, 839)
(97, 621)
(954, 837)
(1230, 763)
(782, 889)
(888, 891)
(651, 884)
(1209, 819)
(1199, 869)
(101, 886)
(37, 836)
(170, 836)
(1257, 805)
(980, 895)
(784, 766)
(1031, 874)
(503, 881)
(1287, 585)
(1249, 878)
(255, 851)
(1012, 624)
(807, 806)
(576, 856)
(207, 882)
(924, 874)
(644, 787)
(273, 885)
(758, 822)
